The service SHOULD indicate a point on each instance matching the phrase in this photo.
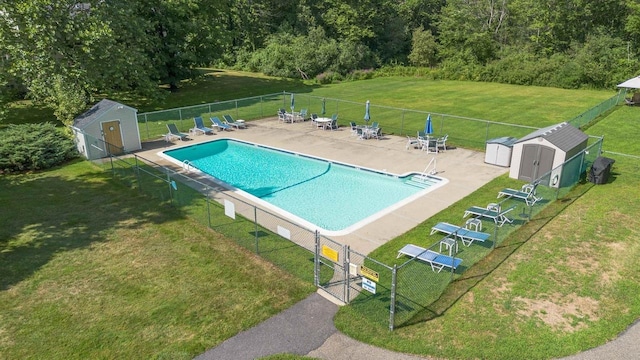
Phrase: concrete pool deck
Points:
(465, 169)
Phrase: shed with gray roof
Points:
(544, 150)
(108, 128)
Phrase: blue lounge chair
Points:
(175, 133)
(465, 235)
(199, 126)
(527, 193)
(492, 211)
(237, 124)
(219, 124)
(436, 260)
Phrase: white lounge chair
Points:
(199, 126)
(527, 193)
(436, 260)
(465, 235)
(175, 133)
(492, 211)
(215, 121)
(237, 124)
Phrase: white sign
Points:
(229, 209)
(369, 285)
(284, 232)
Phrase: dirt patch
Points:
(561, 313)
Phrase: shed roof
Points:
(564, 136)
(96, 112)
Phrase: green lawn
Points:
(91, 269)
(108, 275)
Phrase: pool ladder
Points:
(423, 180)
(187, 165)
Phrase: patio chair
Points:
(333, 124)
(465, 235)
(354, 128)
(412, 142)
(441, 143)
(375, 132)
(526, 193)
(492, 211)
(227, 119)
(282, 113)
(199, 126)
(427, 143)
(436, 260)
(175, 133)
(303, 114)
(219, 124)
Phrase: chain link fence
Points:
(385, 295)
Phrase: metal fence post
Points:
(137, 170)
(392, 305)
(402, 123)
(486, 135)
(255, 221)
(170, 188)
(208, 209)
(316, 261)
(345, 266)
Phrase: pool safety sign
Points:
(369, 285)
(329, 253)
(368, 273)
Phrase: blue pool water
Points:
(334, 198)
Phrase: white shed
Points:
(108, 128)
(545, 149)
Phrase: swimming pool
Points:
(334, 198)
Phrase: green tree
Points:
(424, 48)
(66, 52)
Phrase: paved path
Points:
(307, 329)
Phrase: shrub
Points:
(29, 147)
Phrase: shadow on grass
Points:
(52, 213)
(480, 270)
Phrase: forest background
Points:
(63, 54)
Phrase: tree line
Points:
(62, 53)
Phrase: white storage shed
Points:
(108, 128)
(498, 151)
(545, 149)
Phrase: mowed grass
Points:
(90, 269)
(563, 284)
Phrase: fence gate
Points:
(332, 268)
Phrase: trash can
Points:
(498, 151)
(600, 170)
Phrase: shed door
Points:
(113, 137)
(536, 160)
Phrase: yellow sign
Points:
(330, 253)
(366, 272)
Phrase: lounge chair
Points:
(175, 133)
(237, 124)
(465, 235)
(526, 193)
(219, 124)
(199, 126)
(492, 211)
(436, 260)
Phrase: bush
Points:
(29, 147)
